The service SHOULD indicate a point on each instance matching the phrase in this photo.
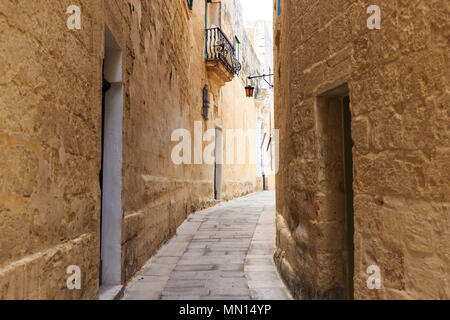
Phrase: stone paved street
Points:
(224, 252)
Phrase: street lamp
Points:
(249, 91)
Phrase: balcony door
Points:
(212, 15)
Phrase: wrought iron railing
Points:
(218, 47)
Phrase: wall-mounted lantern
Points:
(249, 89)
(205, 102)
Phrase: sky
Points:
(257, 10)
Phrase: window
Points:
(190, 3)
(236, 48)
(212, 14)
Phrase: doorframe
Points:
(112, 137)
(339, 91)
(218, 163)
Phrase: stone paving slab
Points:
(221, 253)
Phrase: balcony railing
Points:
(218, 47)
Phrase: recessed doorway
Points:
(335, 145)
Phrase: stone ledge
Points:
(26, 278)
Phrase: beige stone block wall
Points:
(50, 108)
(238, 112)
(50, 137)
(398, 86)
(166, 74)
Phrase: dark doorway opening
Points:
(105, 87)
(218, 165)
(336, 162)
(348, 169)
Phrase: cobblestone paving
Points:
(224, 252)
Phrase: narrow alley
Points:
(224, 150)
(224, 252)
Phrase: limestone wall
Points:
(238, 112)
(50, 136)
(50, 108)
(397, 81)
(166, 75)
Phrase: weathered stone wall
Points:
(263, 43)
(50, 136)
(399, 101)
(50, 106)
(165, 75)
(236, 111)
(232, 24)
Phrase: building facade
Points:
(88, 178)
(363, 112)
(267, 139)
